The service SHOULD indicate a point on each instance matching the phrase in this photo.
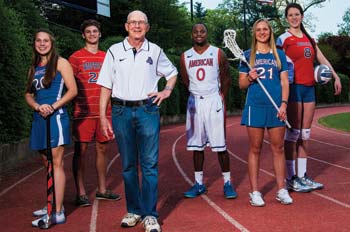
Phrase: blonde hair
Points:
(272, 44)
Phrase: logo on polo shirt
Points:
(149, 60)
(120, 60)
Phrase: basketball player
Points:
(86, 64)
(302, 50)
(205, 72)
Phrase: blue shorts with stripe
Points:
(301, 93)
(59, 128)
(260, 116)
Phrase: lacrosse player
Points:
(270, 66)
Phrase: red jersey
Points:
(301, 52)
(86, 68)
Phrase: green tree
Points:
(345, 25)
(14, 60)
(199, 11)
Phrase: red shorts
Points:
(88, 130)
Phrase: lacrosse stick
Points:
(230, 43)
(51, 198)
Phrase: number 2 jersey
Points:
(86, 68)
(203, 71)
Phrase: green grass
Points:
(337, 121)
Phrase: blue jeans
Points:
(137, 134)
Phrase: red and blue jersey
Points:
(301, 52)
(86, 68)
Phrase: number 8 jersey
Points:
(203, 71)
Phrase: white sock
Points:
(198, 176)
(301, 167)
(226, 176)
(290, 166)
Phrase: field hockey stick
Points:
(51, 196)
(230, 43)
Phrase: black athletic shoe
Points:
(82, 201)
(108, 195)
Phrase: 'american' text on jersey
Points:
(92, 65)
(266, 61)
(201, 62)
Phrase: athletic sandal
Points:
(150, 224)
(284, 197)
(130, 220)
(108, 195)
(82, 201)
(40, 212)
(57, 218)
(256, 199)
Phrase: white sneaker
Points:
(130, 220)
(57, 218)
(283, 197)
(150, 224)
(40, 212)
(256, 199)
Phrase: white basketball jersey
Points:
(203, 71)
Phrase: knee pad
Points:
(305, 134)
(292, 135)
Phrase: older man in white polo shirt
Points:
(129, 76)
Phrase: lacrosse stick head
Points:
(231, 44)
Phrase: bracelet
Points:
(52, 108)
(285, 102)
(168, 88)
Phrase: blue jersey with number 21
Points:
(269, 75)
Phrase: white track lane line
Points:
(26, 177)
(330, 131)
(313, 192)
(331, 144)
(94, 211)
(323, 161)
(205, 197)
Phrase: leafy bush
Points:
(15, 115)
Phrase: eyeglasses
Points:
(135, 23)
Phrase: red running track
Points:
(22, 189)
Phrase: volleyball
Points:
(323, 74)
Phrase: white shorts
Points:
(205, 123)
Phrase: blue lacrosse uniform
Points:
(59, 127)
(258, 110)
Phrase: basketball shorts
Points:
(301, 93)
(205, 123)
(88, 130)
(261, 117)
(59, 129)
